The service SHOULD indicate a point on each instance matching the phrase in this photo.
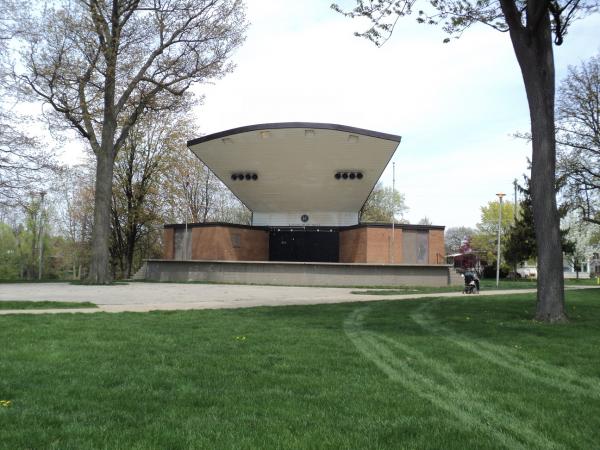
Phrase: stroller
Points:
(471, 283)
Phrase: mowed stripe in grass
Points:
(509, 358)
(463, 373)
(43, 304)
(448, 392)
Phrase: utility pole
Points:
(185, 239)
(500, 195)
(515, 208)
(515, 262)
(393, 211)
(40, 238)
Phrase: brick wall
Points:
(373, 245)
(367, 244)
(379, 245)
(229, 244)
(168, 243)
(353, 245)
(436, 247)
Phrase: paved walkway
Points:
(142, 297)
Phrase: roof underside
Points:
(296, 163)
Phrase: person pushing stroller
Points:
(471, 282)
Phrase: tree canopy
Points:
(24, 163)
(104, 64)
(578, 138)
(100, 66)
(383, 205)
(486, 238)
(455, 16)
(455, 236)
(532, 26)
(584, 241)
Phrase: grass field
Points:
(472, 372)
(23, 304)
(486, 285)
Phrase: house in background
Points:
(589, 265)
(585, 261)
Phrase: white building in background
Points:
(589, 266)
(587, 254)
(595, 264)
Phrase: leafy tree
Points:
(24, 165)
(227, 208)
(381, 202)
(142, 162)
(583, 237)
(190, 192)
(454, 237)
(578, 137)
(190, 189)
(425, 221)
(9, 262)
(520, 244)
(531, 25)
(102, 65)
(485, 239)
(157, 180)
(31, 236)
(74, 191)
(489, 217)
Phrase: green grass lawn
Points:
(18, 304)
(582, 282)
(486, 284)
(473, 372)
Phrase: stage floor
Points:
(300, 273)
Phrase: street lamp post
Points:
(500, 195)
(515, 185)
(393, 211)
(515, 207)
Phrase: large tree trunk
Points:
(99, 268)
(533, 48)
(131, 241)
(100, 272)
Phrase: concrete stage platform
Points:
(299, 273)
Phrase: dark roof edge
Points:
(213, 224)
(403, 226)
(283, 125)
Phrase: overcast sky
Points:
(455, 105)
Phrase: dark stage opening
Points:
(298, 244)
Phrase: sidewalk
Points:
(144, 297)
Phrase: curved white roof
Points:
(295, 164)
